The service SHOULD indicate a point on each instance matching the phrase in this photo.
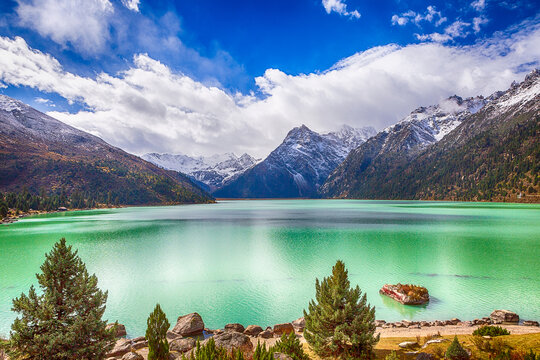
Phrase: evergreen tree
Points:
(64, 322)
(340, 324)
(290, 345)
(156, 334)
(456, 352)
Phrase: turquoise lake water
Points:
(255, 262)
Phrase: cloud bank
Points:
(82, 23)
(150, 107)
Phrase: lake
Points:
(255, 261)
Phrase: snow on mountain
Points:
(298, 166)
(211, 170)
(427, 125)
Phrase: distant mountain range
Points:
(211, 172)
(472, 149)
(460, 149)
(39, 153)
(297, 167)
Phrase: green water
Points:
(255, 262)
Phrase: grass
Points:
(386, 345)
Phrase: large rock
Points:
(299, 324)
(121, 347)
(235, 327)
(267, 334)
(530, 323)
(182, 345)
(253, 330)
(503, 316)
(190, 324)
(132, 355)
(172, 336)
(139, 343)
(280, 329)
(406, 294)
(231, 340)
(120, 329)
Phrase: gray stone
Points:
(132, 355)
(434, 341)
(139, 343)
(253, 330)
(299, 324)
(182, 345)
(504, 316)
(121, 347)
(266, 334)
(235, 327)
(379, 323)
(231, 340)
(425, 324)
(286, 328)
(408, 344)
(190, 324)
(172, 336)
(530, 323)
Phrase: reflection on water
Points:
(407, 311)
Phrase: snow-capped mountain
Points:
(427, 125)
(212, 171)
(298, 166)
(472, 149)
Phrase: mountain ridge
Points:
(298, 166)
(38, 152)
(503, 134)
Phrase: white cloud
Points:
(339, 6)
(458, 29)
(477, 22)
(430, 15)
(149, 107)
(82, 23)
(132, 4)
(478, 5)
(47, 102)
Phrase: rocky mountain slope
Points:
(38, 152)
(212, 171)
(298, 166)
(489, 154)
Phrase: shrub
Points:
(392, 356)
(456, 352)
(340, 324)
(531, 356)
(489, 330)
(262, 353)
(210, 351)
(156, 334)
(289, 344)
(64, 320)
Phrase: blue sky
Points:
(187, 76)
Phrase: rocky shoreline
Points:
(183, 336)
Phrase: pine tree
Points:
(64, 322)
(156, 334)
(456, 352)
(340, 324)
